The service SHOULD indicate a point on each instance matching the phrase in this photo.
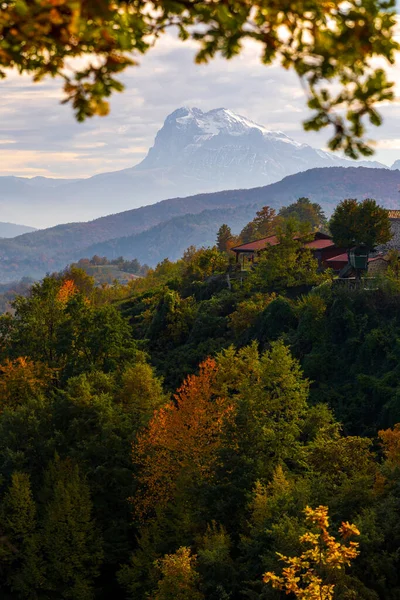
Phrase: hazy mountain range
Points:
(194, 152)
(10, 230)
(166, 229)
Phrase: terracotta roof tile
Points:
(344, 258)
(339, 258)
(319, 244)
(271, 240)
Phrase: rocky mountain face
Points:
(194, 152)
(229, 151)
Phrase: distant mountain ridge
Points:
(11, 230)
(194, 152)
(165, 229)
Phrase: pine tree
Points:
(179, 577)
(72, 546)
(24, 571)
(263, 225)
(224, 236)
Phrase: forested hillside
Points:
(51, 249)
(178, 437)
(170, 238)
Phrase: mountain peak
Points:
(395, 165)
(188, 129)
(218, 120)
(224, 149)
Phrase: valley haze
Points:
(194, 152)
(165, 229)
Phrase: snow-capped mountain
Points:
(231, 151)
(396, 165)
(193, 152)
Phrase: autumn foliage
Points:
(309, 576)
(179, 578)
(66, 291)
(182, 440)
(391, 445)
(22, 378)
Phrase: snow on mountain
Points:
(396, 165)
(193, 152)
(222, 120)
(227, 150)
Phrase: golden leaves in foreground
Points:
(308, 576)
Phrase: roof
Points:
(271, 240)
(319, 235)
(339, 258)
(321, 240)
(345, 259)
(320, 244)
(379, 257)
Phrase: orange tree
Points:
(180, 445)
(322, 41)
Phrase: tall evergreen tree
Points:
(263, 225)
(72, 546)
(21, 552)
(224, 236)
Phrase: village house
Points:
(326, 252)
(376, 264)
(321, 246)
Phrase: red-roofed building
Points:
(322, 247)
(375, 263)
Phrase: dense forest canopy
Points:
(182, 438)
(323, 42)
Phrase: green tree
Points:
(273, 402)
(33, 331)
(59, 327)
(224, 236)
(287, 264)
(72, 546)
(263, 225)
(95, 428)
(179, 579)
(269, 398)
(320, 42)
(93, 338)
(84, 283)
(364, 222)
(312, 575)
(24, 571)
(305, 211)
(141, 392)
(200, 263)
(215, 565)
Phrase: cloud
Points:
(389, 144)
(40, 136)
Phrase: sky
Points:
(39, 136)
